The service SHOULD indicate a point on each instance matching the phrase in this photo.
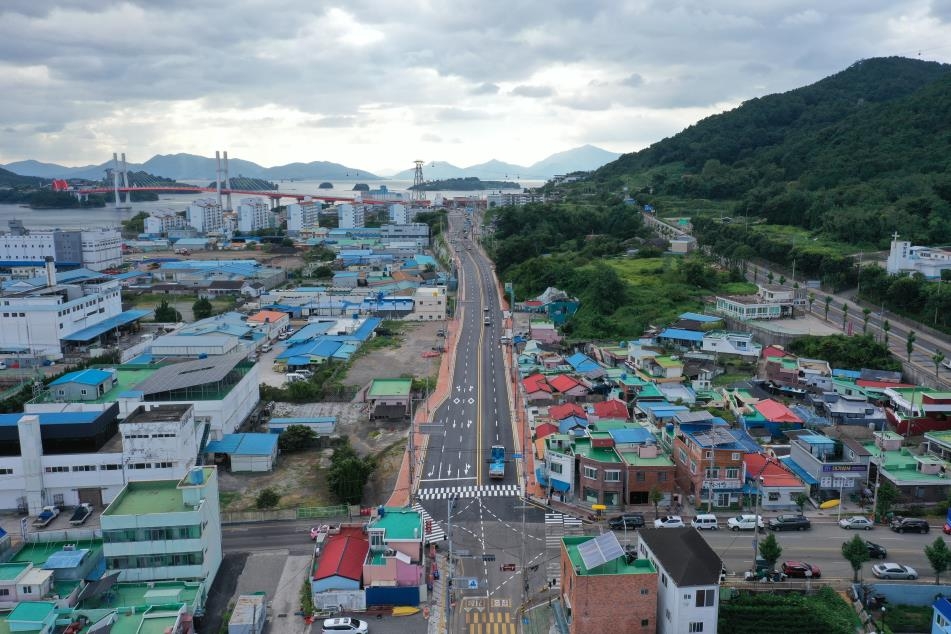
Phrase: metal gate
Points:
(91, 496)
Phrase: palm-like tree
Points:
(812, 300)
(845, 314)
(937, 358)
(828, 304)
(886, 328)
(910, 343)
(866, 315)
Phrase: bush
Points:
(267, 499)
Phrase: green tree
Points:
(655, 496)
(887, 496)
(812, 300)
(267, 499)
(770, 550)
(800, 501)
(135, 224)
(939, 556)
(165, 313)
(202, 308)
(782, 280)
(937, 358)
(886, 328)
(845, 314)
(910, 343)
(769, 277)
(828, 305)
(348, 473)
(856, 553)
(296, 438)
(866, 315)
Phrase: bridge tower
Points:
(115, 177)
(218, 175)
(125, 177)
(117, 168)
(418, 181)
(227, 181)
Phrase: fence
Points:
(314, 512)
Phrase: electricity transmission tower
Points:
(418, 181)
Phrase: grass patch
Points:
(907, 618)
(227, 498)
(738, 288)
(730, 377)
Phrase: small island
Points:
(468, 184)
(249, 184)
(361, 187)
(325, 185)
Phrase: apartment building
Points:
(205, 215)
(254, 214)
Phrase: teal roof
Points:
(401, 524)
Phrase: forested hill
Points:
(9, 179)
(871, 144)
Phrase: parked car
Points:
(909, 525)
(305, 373)
(790, 523)
(892, 570)
(705, 521)
(875, 551)
(266, 347)
(745, 522)
(669, 521)
(856, 522)
(946, 528)
(626, 521)
(344, 624)
(800, 569)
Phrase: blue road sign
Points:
(473, 584)
(516, 456)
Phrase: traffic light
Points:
(429, 527)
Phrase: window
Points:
(57, 469)
(612, 475)
(640, 476)
(27, 589)
(704, 599)
(140, 465)
(773, 496)
(732, 473)
(4, 592)
(110, 467)
(645, 591)
(163, 465)
(708, 455)
(6, 471)
(645, 622)
(696, 626)
(556, 467)
(682, 455)
(693, 467)
(734, 456)
(711, 473)
(662, 476)
(663, 580)
(591, 473)
(84, 467)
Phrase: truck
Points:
(249, 615)
(497, 462)
(47, 515)
(81, 514)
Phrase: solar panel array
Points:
(714, 437)
(600, 550)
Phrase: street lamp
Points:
(759, 499)
(883, 618)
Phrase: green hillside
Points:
(849, 159)
(9, 179)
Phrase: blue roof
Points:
(799, 471)
(582, 362)
(323, 347)
(637, 435)
(129, 275)
(815, 439)
(849, 374)
(51, 418)
(943, 607)
(85, 377)
(125, 317)
(698, 317)
(681, 334)
(310, 331)
(244, 445)
(65, 559)
(323, 425)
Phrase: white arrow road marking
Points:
(449, 470)
(460, 454)
(469, 424)
(431, 471)
(467, 469)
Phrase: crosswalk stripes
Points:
(437, 534)
(490, 622)
(558, 525)
(491, 490)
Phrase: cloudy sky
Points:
(375, 84)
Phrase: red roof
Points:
(343, 556)
(270, 316)
(535, 383)
(533, 303)
(611, 409)
(774, 351)
(774, 475)
(545, 429)
(776, 412)
(881, 384)
(563, 411)
(563, 382)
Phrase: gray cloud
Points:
(532, 91)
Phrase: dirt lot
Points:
(299, 478)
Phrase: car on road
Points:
(669, 521)
(789, 523)
(344, 624)
(801, 569)
(745, 522)
(909, 525)
(856, 522)
(892, 570)
(875, 551)
(626, 521)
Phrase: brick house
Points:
(711, 456)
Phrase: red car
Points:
(799, 569)
(947, 529)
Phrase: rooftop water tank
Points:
(196, 476)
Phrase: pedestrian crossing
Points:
(437, 534)
(490, 490)
(557, 525)
(490, 622)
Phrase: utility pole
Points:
(710, 482)
(450, 503)
(412, 447)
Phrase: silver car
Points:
(892, 570)
(856, 522)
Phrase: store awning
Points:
(543, 480)
(799, 471)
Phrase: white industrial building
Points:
(165, 529)
(429, 304)
(205, 215)
(254, 214)
(416, 233)
(905, 258)
(397, 214)
(96, 250)
(303, 215)
(350, 216)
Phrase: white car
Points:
(669, 521)
(856, 522)
(344, 624)
(892, 570)
(745, 522)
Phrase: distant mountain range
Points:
(186, 167)
(579, 159)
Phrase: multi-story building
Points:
(165, 529)
(770, 302)
(429, 304)
(350, 216)
(304, 215)
(592, 595)
(828, 465)
(415, 233)
(163, 221)
(254, 214)
(688, 579)
(397, 214)
(906, 259)
(205, 215)
(95, 250)
(711, 457)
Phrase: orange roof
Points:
(269, 316)
(545, 429)
(774, 475)
(535, 383)
(563, 411)
(776, 412)
(611, 409)
(563, 382)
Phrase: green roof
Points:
(9, 572)
(649, 390)
(399, 523)
(390, 387)
(583, 448)
(902, 465)
(148, 497)
(144, 595)
(618, 566)
(31, 611)
(37, 553)
(631, 458)
(609, 424)
(158, 624)
(667, 362)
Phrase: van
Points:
(295, 376)
(266, 347)
(705, 521)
